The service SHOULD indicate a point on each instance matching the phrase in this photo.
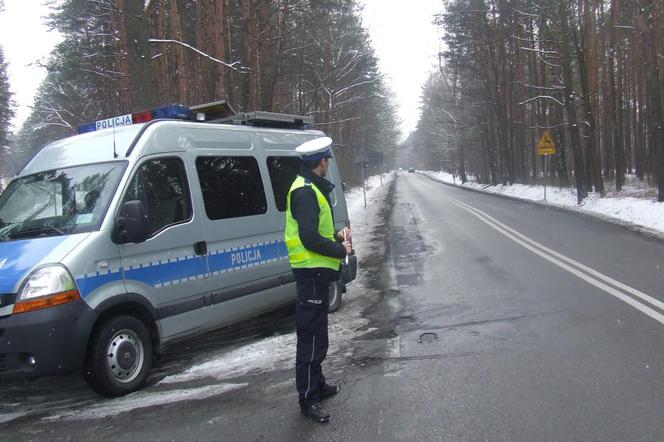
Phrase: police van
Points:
(144, 230)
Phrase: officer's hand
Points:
(349, 248)
(340, 235)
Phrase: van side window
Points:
(162, 187)
(232, 187)
(283, 171)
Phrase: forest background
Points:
(305, 57)
(590, 71)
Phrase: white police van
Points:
(121, 240)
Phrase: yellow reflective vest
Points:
(299, 256)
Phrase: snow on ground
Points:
(642, 212)
(6, 417)
(278, 352)
(141, 399)
(265, 355)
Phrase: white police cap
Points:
(315, 149)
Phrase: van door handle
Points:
(200, 248)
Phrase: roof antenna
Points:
(115, 152)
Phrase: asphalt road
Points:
(501, 342)
(488, 319)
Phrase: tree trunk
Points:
(126, 102)
(653, 88)
(218, 30)
(616, 101)
(276, 79)
(586, 62)
(570, 105)
(181, 71)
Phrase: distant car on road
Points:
(411, 169)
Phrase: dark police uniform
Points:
(315, 256)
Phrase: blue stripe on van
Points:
(164, 273)
(89, 283)
(159, 274)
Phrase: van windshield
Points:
(58, 202)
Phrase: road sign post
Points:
(545, 148)
(546, 175)
(362, 160)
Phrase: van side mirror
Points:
(130, 224)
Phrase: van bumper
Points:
(45, 342)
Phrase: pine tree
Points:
(89, 72)
(6, 106)
(6, 115)
(6, 103)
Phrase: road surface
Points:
(484, 319)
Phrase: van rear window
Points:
(283, 171)
(232, 187)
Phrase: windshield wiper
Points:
(35, 231)
(4, 230)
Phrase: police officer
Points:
(315, 251)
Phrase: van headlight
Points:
(46, 287)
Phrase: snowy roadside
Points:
(218, 372)
(643, 214)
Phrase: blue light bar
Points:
(88, 127)
(175, 111)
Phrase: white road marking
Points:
(393, 353)
(566, 263)
(393, 347)
(593, 272)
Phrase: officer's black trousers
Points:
(311, 325)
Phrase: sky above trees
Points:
(27, 43)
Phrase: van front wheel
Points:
(119, 357)
(335, 296)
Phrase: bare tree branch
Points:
(236, 65)
(338, 121)
(543, 97)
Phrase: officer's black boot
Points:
(315, 412)
(328, 390)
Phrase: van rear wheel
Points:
(119, 357)
(335, 296)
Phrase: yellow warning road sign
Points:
(546, 144)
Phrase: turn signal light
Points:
(46, 301)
